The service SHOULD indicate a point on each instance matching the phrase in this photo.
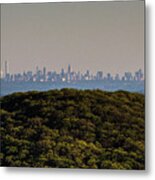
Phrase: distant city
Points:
(68, 76)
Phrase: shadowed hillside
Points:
(73, 129)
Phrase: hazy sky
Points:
(107, 36)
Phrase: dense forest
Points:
(71, 128)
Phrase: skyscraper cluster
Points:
(68, 76)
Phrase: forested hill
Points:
(73, 129)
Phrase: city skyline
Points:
(86, 35)
(6, 69)
(68, 75)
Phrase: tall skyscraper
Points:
(6, 68)
(44, 73)
(62, 72)
(99, 75)
(69, 69)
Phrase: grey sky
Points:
(107, 36)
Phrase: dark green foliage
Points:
(73, 129)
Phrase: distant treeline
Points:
(71, 128)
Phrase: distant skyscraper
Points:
(99, 75)
(139, 75)
(69, 69)
(109, 77)
(117, 78)
(62, 72)
(44, 73)
(128, 76)
(87, 73)
(6, 68)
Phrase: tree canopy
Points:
(71, 128)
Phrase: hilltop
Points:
(71, 128)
